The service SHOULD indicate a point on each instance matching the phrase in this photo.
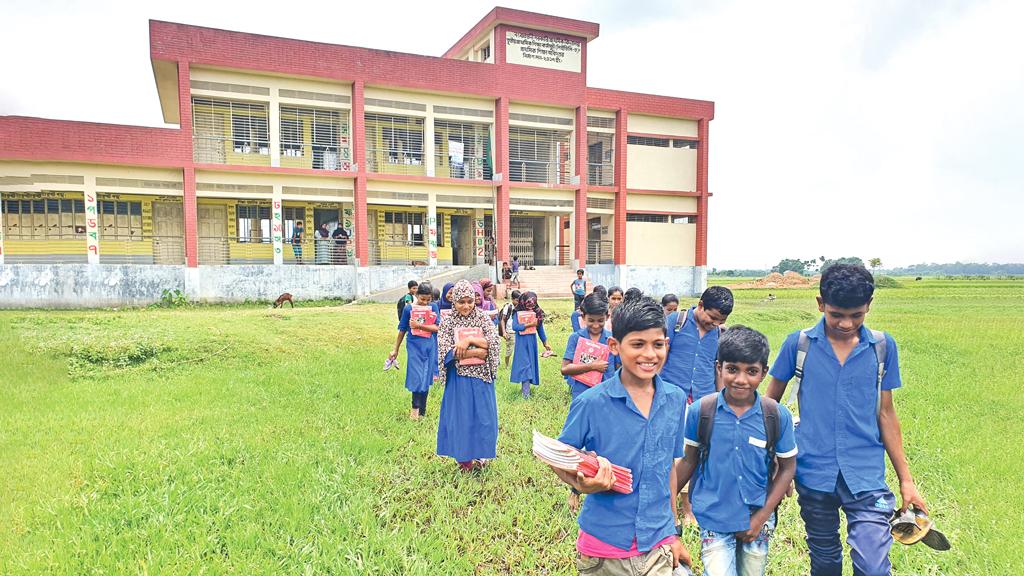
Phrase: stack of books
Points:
(423, 315)
(588, 352)
(461, 334)
(565, 457)
(526, 317)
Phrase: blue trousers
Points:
(867, 521)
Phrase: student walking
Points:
(579, 288)
(525, 363)
(845, 374)
(505, 329)
(420, 347)
(467, 429)
(595, 313)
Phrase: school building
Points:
(418, 164)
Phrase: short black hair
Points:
(846, 286)
(436, 294)
(580, 271)
(600, 289)
(668, 299)
(636, 314)
(516, 294)
(412, 284)
(613, 290)
(718, 298)
(595, 304)
(424, 289)
(633, 293)
(742, 344)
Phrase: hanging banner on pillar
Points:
(92, 228)
(277, 231)
(348, 224)
(432, 236)
(481, 250)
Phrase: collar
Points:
(818, 331)
(723, 405)
(605, 334)
(617, 390)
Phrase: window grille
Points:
(215, 123)
(684, 143)
(49, 218)
(600, 203)
(396, 104)
(538, 155)
(660, 218)
(253, 223)
(462, 150)
(600, 122)
(648, 141)
(485, 53)
(394, 144)
(120, 220)
(540, 119)
(292, 214)
(224, 87)
(317, 96)
(440, 230)
(319, 137)
(600, 159)
(456, 111)
(404, 227)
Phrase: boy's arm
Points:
(684, 469)
(776, 388)
(892, 439)
(776, 491)
(398, 344)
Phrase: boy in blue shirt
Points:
(579, 288)
(734, 494)
(847, 425)
(635, 420)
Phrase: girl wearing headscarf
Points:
(525, 365)
(489, 305)
(468, 426)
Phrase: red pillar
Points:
(502, 220)
(359, 212)
(189, 208)
(579, 225)
(700, 258)
(620, 186)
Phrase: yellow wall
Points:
(653, 244)
(644, 124)
(653, 203)
(653, 168)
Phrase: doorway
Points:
(463, 241)
(168, 233)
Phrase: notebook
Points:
(525, 317)
(564, 457)
(469, 332)
(588, 352)
(423, 315)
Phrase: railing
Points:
(165, 250)
(564, 254)
(398, 252)
(600, 252)
(541, 172)
(317, 157)
(386, 161)
(222, 150)
(472, 168)
(601, 174)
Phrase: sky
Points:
(873, 128)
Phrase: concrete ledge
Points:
(653, 280)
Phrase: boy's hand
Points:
(414, 324)
(393, 355)
(598, 366)
(911, 497)
(757, 522)
(601, 482)
(680, 554)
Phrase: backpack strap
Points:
(705, 425)
(681, 319)
(770, 413)
(880, 346)
(803, 344)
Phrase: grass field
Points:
(244, 440)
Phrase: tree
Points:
(844, 260)
(875, 263)
(790, 264)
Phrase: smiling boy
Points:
(845, 377)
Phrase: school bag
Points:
(401, 304)
(505, 320)
(681, 321)
(803, 344)
(706, 423)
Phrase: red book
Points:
(423, 315)
(588, 352)
(467, 332)
(445, 312)
(526, 317)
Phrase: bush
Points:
(173, 299)
(886, 282)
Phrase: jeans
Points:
(867, 522)
(723, 555)
(578, 299)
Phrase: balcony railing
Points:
(167, 250)
(601, 174)
(386, 161)
(472, 168)
(600, 252)
(223, 150)
(317, 157)
(538, 171)
(398, 252)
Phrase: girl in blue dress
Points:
(525, 365)
(468, 426)
(595, 313)
(420, 366)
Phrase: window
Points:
(538, 155)
(45, 219)
(440, 230)
(292, 142)
(683, 143)
(404, 227)
(484, 53)
(462, 150)
(217, 122)
(600, 159)
(648, 141)
(394, 144)
(320, 137)
(660, 218)
(291, 215)
(120, 220)
(253, 223)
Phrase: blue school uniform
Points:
(575, 386)
(421, 354)
(467, 427)
(734, 481)
(605, 419)
(525, 365)
(574, 320)
(690, 364)
(838, 431)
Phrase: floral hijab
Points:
(476, 319)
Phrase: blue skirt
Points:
(468, 424)
(420, 364)
(525, 366)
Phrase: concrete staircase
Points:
(546, 281)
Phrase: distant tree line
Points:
(958, 269)
(819, 264)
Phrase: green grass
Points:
(246, 440)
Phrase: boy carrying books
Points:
(732, 439)
(588, 361)
(636, 421)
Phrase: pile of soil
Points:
(775, 280)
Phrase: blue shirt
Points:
(570, 351)
(605, 420)
(579, 287)
(691, 359)
(734, 481)
(838, 431)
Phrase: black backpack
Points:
(708, 404)
(401, 305)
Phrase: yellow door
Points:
(168, 233)
(213, 234)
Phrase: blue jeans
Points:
(722, 555)
(867, 521)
